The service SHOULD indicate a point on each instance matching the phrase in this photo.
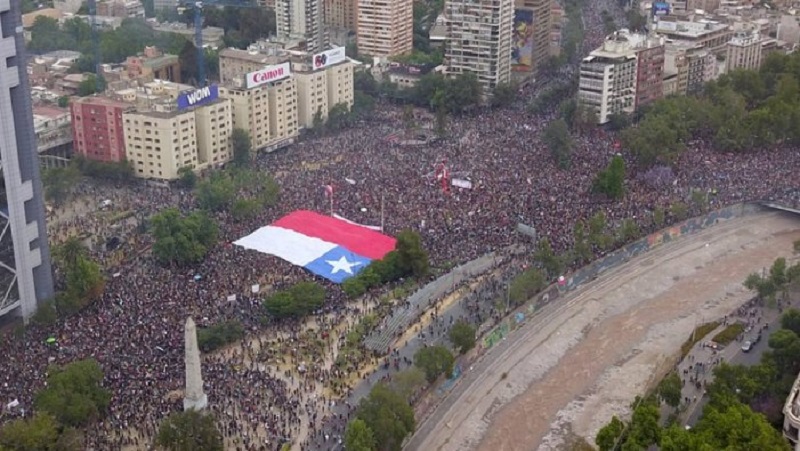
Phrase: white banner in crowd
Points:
(461, 183)
(255, 288)
(232, 298)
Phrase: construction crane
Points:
(198, 30)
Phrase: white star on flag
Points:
(342, 265)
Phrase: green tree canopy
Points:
(358, 436)
(670, 389)
(59, 183)
(434, 361)
(299, 300)
(388, 416)
(182, 239)
(412, 258)
(74, 394)
(242, 150)
(190, 430)
(557, 138)
(611, 181)
(462, 335)
(36, 433)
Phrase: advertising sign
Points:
(328, 58)
(198, 97)
(268, 74)
(660, 8)
(522, 41)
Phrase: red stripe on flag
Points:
(357, 239)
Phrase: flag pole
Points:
(331, 203)
(382, 217)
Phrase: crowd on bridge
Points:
(265, 391)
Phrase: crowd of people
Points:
(267, 389)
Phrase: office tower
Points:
(385, 27)
(479, 40)
(25, 274)
(301, 20)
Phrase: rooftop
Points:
(252, 56)
(102, 101)
(29, 19)
(159, 61)
(688, 29)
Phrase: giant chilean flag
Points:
(329, 247)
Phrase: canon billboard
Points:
(328, 58)
(198, 97)
(268, 74)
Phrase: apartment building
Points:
(608, 78)
(385, 27)
(710, 34)
(341, 14)
(323, 81)
(166, 138)
(691, 65)
(531, 35)
(479, 40)
(301, 19)
(153, 64)
(97, 128)
(744, 51)
(234, 64)
(649, 70)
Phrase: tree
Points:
(462, 335)
(434, 361)
(299, 300)
(339, 117)
(85, 281)
(190, 430)
(441, 123)
(358, 436)
(63, 101)
(609, 434)
(388, 416)
(552, 264)
(406, 383)
(791, 320)
(219, 335)
(59, 183)
(738, 427)
(69, 252)
(503, 94)
(182, 240)
(644, 429)
(39, 432)
(670, 389)
(525, 286)
(244, 209)
(240, 141)
(216, 193)
(557, 138)
(74, 394)
(412, 258)
(91, 84)
(611, 181)
(186, 177)
(629, 230)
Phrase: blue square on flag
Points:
(338, 264)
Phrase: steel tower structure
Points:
(25, 273)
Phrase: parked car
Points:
(747, 346)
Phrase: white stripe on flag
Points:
(289, 245)
(377, 228)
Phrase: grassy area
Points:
(699, 333)
(729, 334)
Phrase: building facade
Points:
(608, 78)
(301, 19)
(385, 27)
(341, 14)
(152, 64)
(319, 90)
(744, 51)
(161, 141)
(97, 129)
(791, 415)
(649, 72)
(712, 35)
(26, 277)
(533, 43)
(479, 40)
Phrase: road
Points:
(585, 358)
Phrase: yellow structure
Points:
(161, 141)
(385, 27)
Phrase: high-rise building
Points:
(479, 40)
(322, 87)
(341, 14)
(531, 35)
(385, 27)
(25, 274)
(97, 128)
(608, 78)
(744, 51)
(303, 20)
(649, 70)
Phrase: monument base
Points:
(195, 404)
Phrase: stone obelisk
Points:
(193, 396)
